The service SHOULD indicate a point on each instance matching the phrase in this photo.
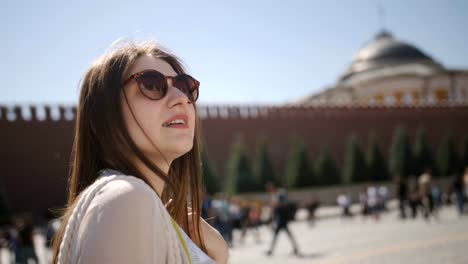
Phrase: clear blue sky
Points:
(242, 51)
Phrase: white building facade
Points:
(387, 71)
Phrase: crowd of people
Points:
(416, 195)
(372, 200)
(422, 195)
(18, 239)
(246, 216)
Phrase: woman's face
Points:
(172, 141)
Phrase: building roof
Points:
(384, 51)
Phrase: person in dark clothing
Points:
(312, 207)
(26, 251)
(458, 189)
(414, 197)
(282, 214)
(402, 192)
(206, 206)
(244, 220)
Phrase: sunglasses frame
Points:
(137, 76)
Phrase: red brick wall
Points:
(34, 154)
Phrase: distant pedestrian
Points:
(373, 202)
(25, 251)
(458, 186)
(402, 194)
(282, 214)
(344, 201)
(425, 190)
(414, 197)
(312, 206)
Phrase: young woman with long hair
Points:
(135, 181)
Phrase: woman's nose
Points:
(176, 96)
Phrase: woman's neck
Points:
(156, 181)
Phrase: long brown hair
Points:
(101, 141)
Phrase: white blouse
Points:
(126, 222)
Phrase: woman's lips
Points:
(177, 121)
(178, 126)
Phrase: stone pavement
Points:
(357, 240)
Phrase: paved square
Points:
(363, 241)
(352, 241)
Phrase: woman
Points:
(136, 116)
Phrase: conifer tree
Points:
(354, 169)
(298, 170)
(400, 157)
(239, 172)
(423, 155)
(326, 171)
(210, 181)
(264, 168)
(447, 157)
(376, 166)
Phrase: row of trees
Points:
(404, 159)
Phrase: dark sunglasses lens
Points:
(188, 85)
(153, 85)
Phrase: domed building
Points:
(391, 72)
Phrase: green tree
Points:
(239, 172)
(447, 156)
(326, 171)
(354, 169)
(210, 180)
(400, 157)
(423, 155)
(298, 169)
(264, 168)
(376, 166)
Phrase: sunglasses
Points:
(154, 85)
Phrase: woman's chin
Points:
(179, 150)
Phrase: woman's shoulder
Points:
(122, 223)
(126, 190)
(120, 201)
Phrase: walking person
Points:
(373, 202)
(344, 201)
(136, 166)
(414, 196)
(402, 193)
(282, 214)
(25, 251)
(458, 187)
(244, 220)
(425, 190)
(312, 205)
